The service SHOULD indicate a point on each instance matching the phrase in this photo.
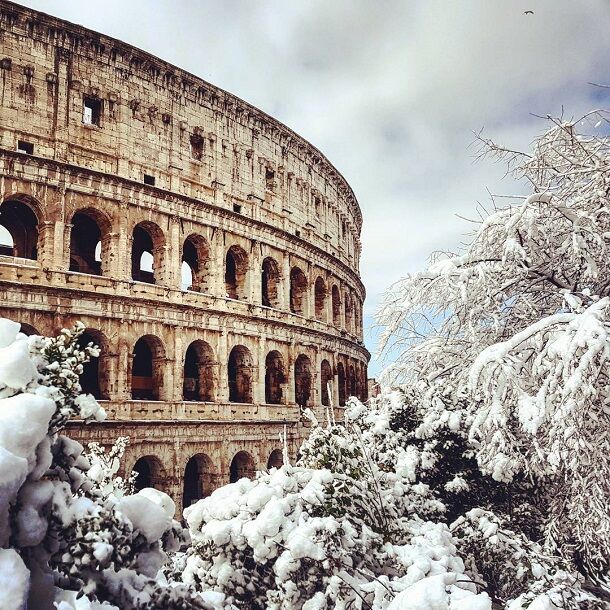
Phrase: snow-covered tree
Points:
(67, 529)
(517, 326)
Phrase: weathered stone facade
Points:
(210, 251)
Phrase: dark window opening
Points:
(270, 277)
(92, 111)
(302, 380)
(242, 466)
(146, 370)
(198, 479)
(148, 179)
(317, 202)
(85, 245)
(149, 473)
(341, 382)
(269, 179)
(336, 303)
(199, 372)
(275, 377)
(92, 379)
(196, 147)
(25, 147)
(237, 208)
(276, 459)
(298, 291)
(146, 252)
(195, 263)
(326, 377)
(18, 230)
(236, 267)
(240, 375)
(320, 299)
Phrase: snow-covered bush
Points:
(344, 528)
(65, 530)
(516, 329)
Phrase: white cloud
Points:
(390, 90)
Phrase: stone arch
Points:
(195, 263)
(19, 220)
(94, 378)
(28, 329)
(326, 378)
(149, 472)
(199, 372)
(147, 369)
(276, 459)
(341, 383)
(320, 298)
(302, 380)
(275, 378)
(239, 371)
(242, 465)
(199, 478)
(336, 303)
(270, 280)
(298, 291)
(147, 252)
(352, 381)
(236, 272)
(89, 243)
(349, 319)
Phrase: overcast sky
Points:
(390, 90)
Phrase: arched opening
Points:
(147, 369)
(348, 314)
(320, 298)
(240, 375)
(302, 380)
(86, 244)
(195, 263)
(93, 379)
(351, 381)
(149, 473)
(336, 302)
(341, 382)
(236, 268)
(19, 236)
(298, 291)
(198, 479)
(242, 466)
(276, 459)
(275, 377)
(147, 252)
(270, 279)
(28, 329)
(199, 372)
(326, 377)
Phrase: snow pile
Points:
(310, 537)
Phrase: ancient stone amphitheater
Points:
(209, 250)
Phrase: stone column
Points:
(178, 372)
(259, 389)
(284, 287)
(254, 280)
(125, 357)
(173, 262)
(223, 355)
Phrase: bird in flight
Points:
(528, 12)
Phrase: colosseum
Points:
(211, 252)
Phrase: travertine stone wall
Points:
(227, 177)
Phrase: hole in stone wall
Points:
(275, 377)
(25, 147)
(270, 277)
(276, 459)
(85, 245)
(199, 372)
(302, 380)
(147, 369)
(326, 377)
(320, 298)
(240, 375)
(195, 263)
(92, 111)
(298, 291)
(198, 479)
(336, 303)
(21, 224)
(236, 267)
(148, 179)
(242, 465)
(341, 382)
